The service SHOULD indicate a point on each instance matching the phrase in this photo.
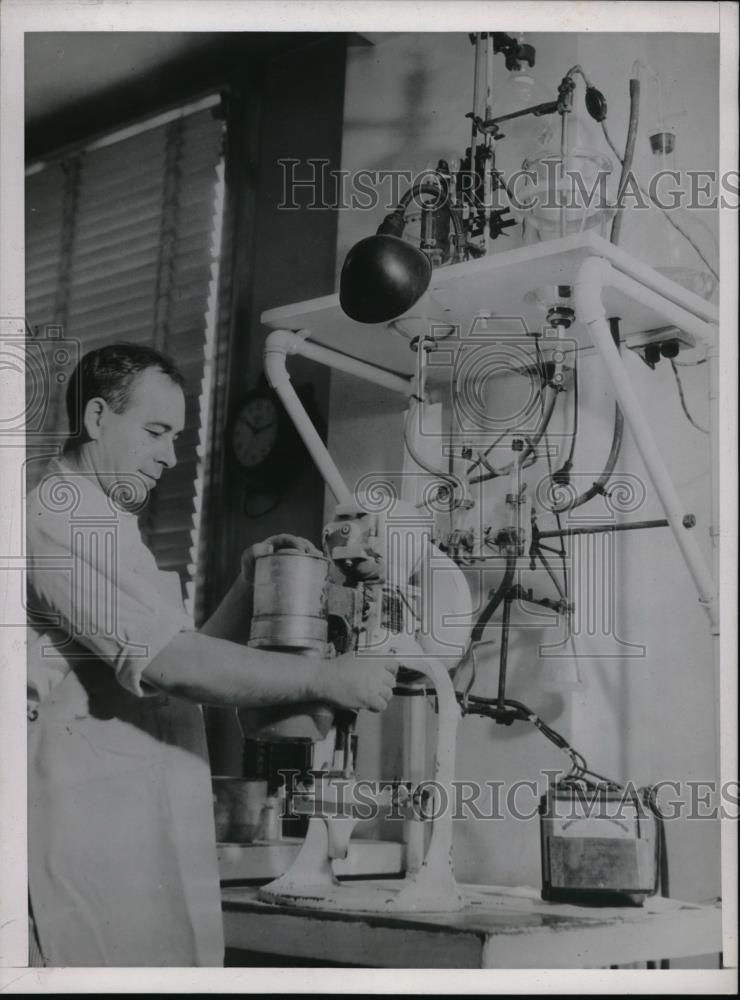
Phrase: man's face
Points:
(136, 446)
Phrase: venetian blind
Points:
(122, 244)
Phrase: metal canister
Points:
(290, 602)
(290, 616)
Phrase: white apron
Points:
(122, 853)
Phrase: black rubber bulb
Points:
(382, 277)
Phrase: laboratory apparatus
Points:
(418, 314)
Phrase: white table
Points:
(500, 928)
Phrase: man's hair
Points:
(109, 373)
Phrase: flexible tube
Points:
(598, 486)
(629, 152)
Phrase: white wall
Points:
(646, 717)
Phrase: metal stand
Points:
(593, 267)
(310, 881)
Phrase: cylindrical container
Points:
(290, 616)
(237, 809)
(290, 602)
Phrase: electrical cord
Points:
(683, 399)
(664, 211)
(510, 711)
(580, 774)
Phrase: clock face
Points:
(255, 433)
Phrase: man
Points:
(122, 859)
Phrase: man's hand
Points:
(354, 682)
(273, 544)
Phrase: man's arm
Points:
(217, 672)
(209, 667)
(232, 618)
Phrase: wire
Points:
(512, 711)
(611, 144)
(690, 364)
(683, 399)
(551, 574)
(532, 443)
(496, 598)
(660, 208)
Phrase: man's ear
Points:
(92, 418)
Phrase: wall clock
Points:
(265, 450)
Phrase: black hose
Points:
(496, 598)
(629, 152)
(485, 616)
(598, 486)
(503, 660)
(616, 445)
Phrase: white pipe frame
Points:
(594, 275)
(278, 345)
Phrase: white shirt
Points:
(122, 855)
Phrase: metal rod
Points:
(548, 108)
(563, 167)
(352, 366)
(635, 525)
(594, 275)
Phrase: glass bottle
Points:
(564, 187)
(674, 239)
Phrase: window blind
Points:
(122, 243)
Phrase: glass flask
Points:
(561, 195)
(677, 240)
